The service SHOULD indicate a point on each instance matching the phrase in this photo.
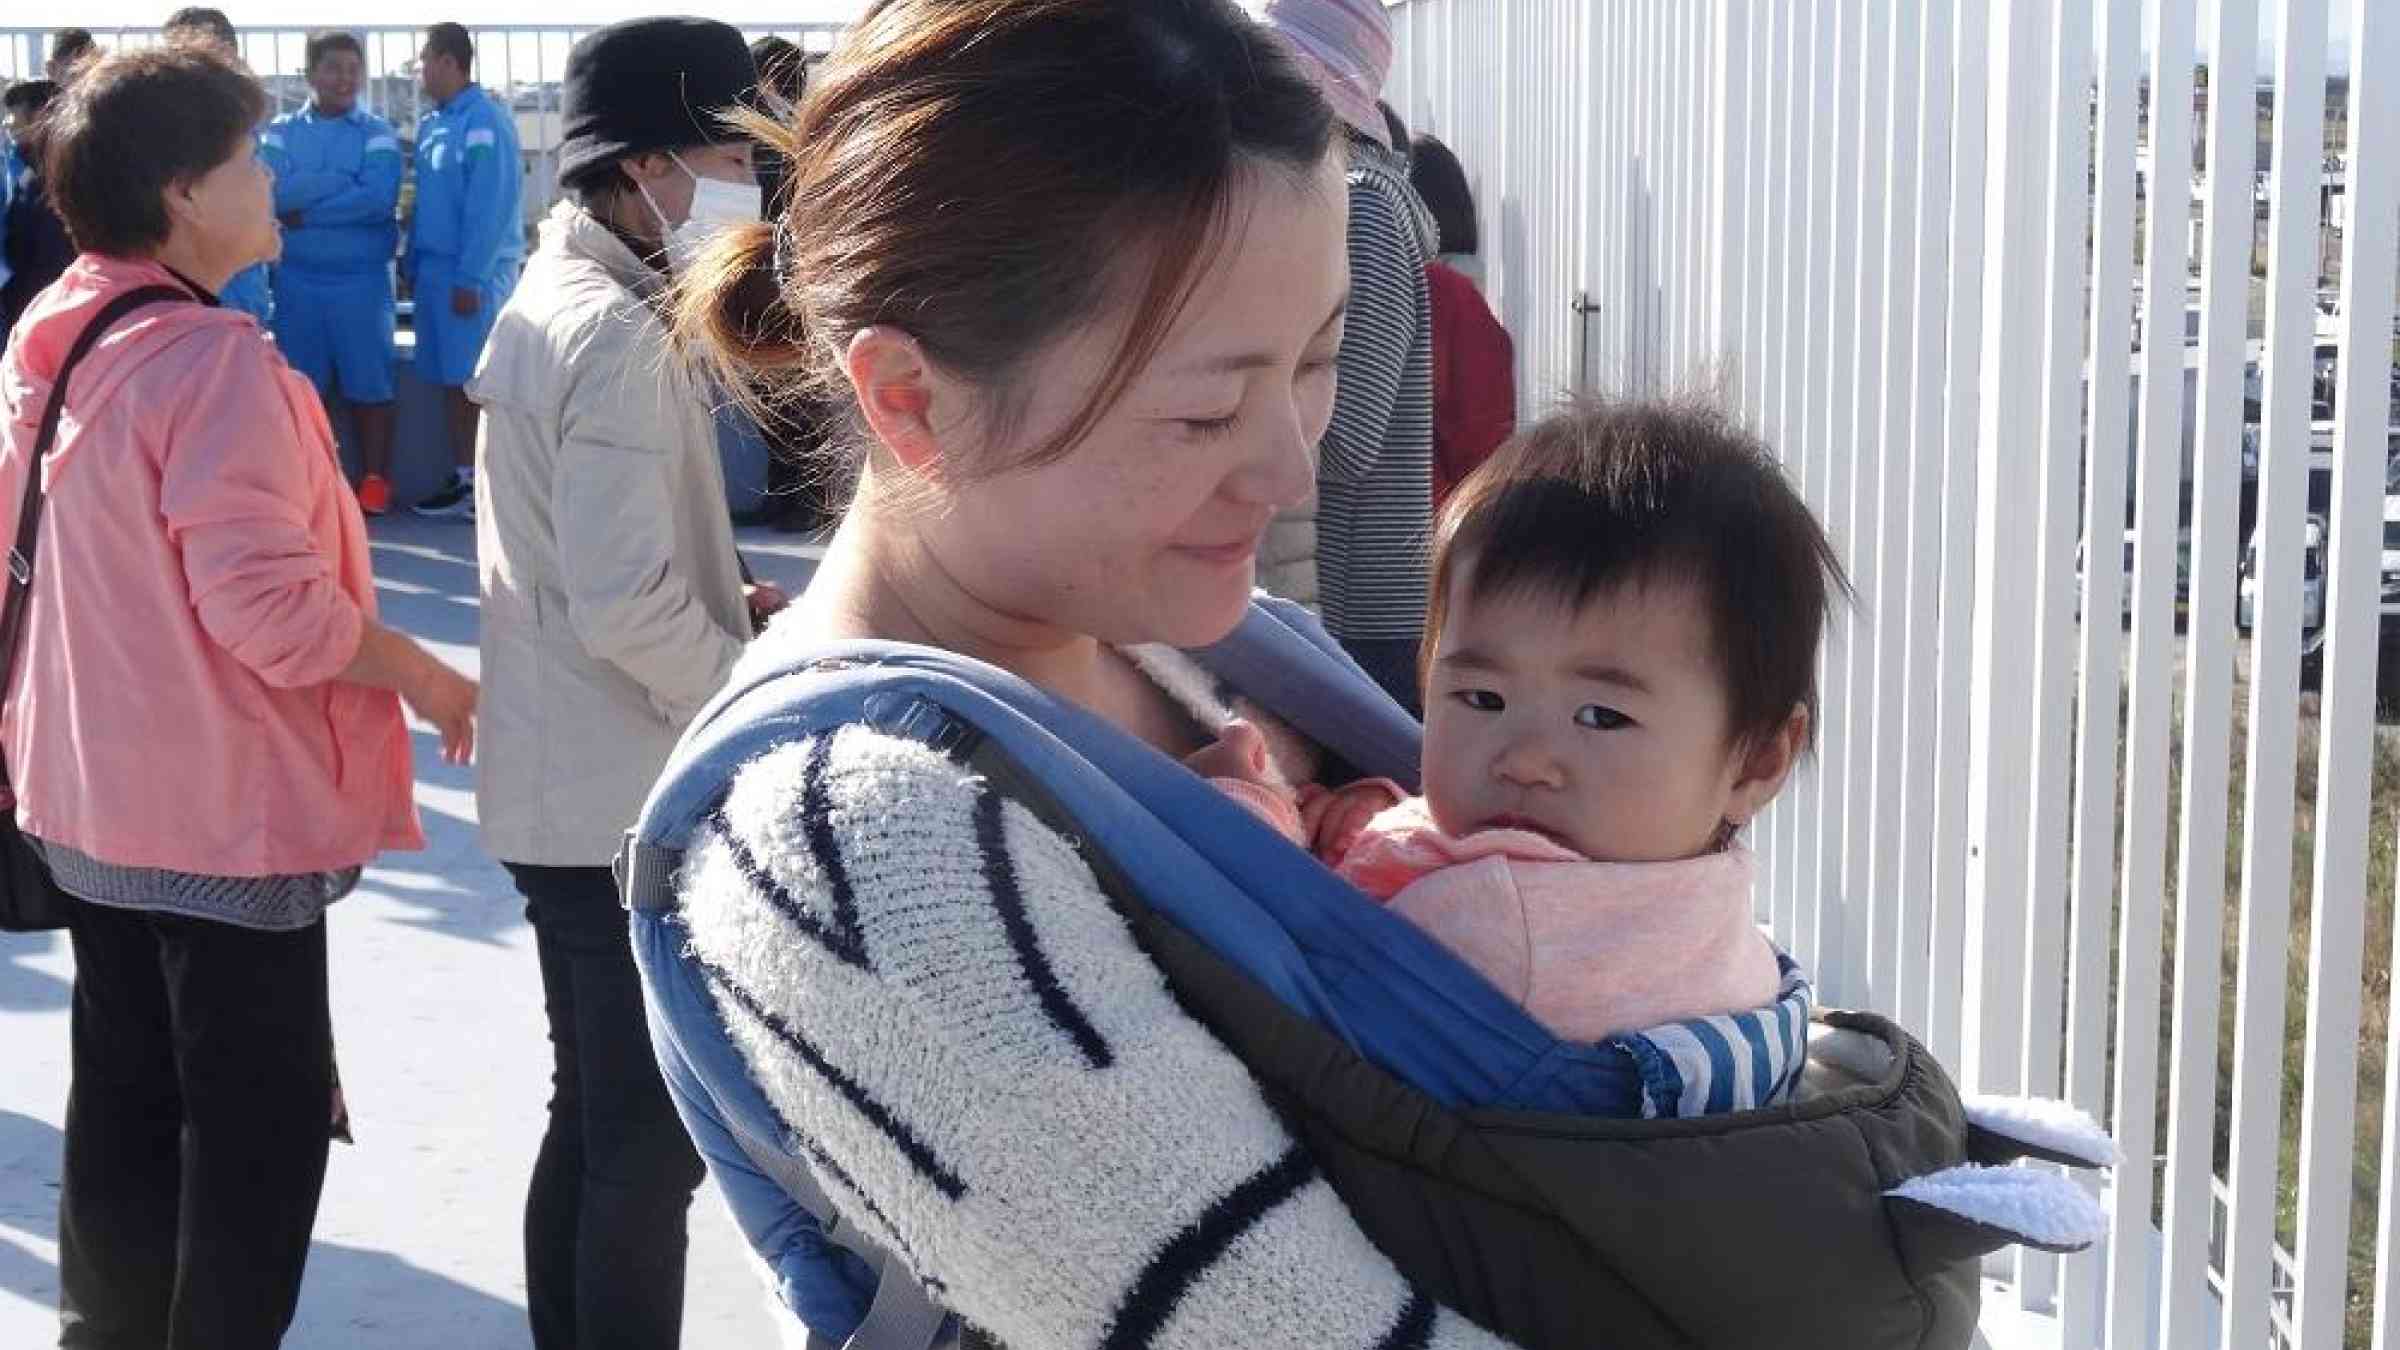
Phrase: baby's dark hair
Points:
(1602, 495)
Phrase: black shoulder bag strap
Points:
(29, 516)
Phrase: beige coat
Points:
(612, 597)
(1287, 557)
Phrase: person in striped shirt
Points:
(1620, 669)
(1375, 462)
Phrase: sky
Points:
(587, 13)
(312, 13)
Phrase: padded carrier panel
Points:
(1764, 1229)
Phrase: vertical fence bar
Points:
(1651, 175)
(1834, 425)
(2101, 654)
(1859, 411)
(1891, 396)
(1618, 298)
(1820, 337)
(1970, 164)
(1669, 166)
(2292, 266)
(2051, 612)
(1753, 28)
(1776, 357)
(1655, 176)
(1928, 318)
(1690, 261)
(1795, 923)
(2208, 664)
(1791, 238)
(1639, 229)
(2009, 485)
(1673, 163)
(1705, 354)
(2150, 704)
(2374, 114)
(1774, 363)
(1854, 435)
(1598, 179)
(1751, 117)
(1617, 323)
(2347, 734)
(547, 111)
(1732, 227)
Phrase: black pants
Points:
(196, 1131)
(604, 1222)
(1393, 663)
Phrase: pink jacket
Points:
(203, 577)
(1590, 949)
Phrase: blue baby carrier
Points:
(1356, 1025)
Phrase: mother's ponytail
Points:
(988, 174)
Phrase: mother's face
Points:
(227, 215)
(1149, 530)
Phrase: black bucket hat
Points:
(650, 84)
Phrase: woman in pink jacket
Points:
(204, 725)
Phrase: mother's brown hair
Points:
(987, 174)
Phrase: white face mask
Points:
(716, 205)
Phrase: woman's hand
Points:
(446, 698)
(766, 600)
(389, 659)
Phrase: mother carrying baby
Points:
(995, 1022)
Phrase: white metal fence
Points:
(521, 64)
(1908, 239)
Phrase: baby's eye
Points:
(1481, 700)
(1600, 718)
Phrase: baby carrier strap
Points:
(903, 1316)
(1282, 659)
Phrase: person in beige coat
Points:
(614, 605)
(1287, 557)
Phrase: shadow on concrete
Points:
(349, 1292)
(23, 986)
(29, 1150)
(357, 1296)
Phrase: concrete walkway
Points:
(437, 1014)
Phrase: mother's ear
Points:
(896, 387)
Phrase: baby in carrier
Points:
(1619, 672)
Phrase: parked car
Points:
(2183, 577)
(2312, 589)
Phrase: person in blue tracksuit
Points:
(34, 247)
(337, 191)
(249, 290)
(466, 242)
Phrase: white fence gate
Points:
(1909, 240)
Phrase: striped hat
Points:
(1345, 47)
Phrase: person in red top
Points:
(1474, 363)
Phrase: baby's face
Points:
(1604, 728)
